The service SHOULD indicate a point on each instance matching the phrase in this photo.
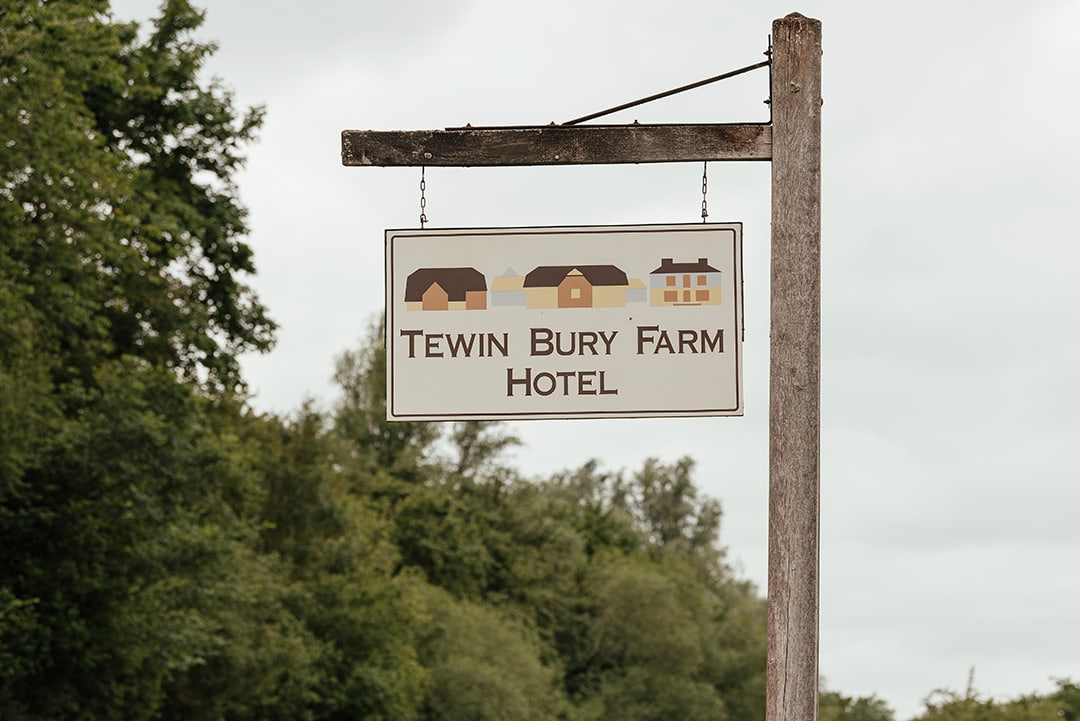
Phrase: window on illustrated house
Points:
(702, 280)
(670, 296)
(670, 280)
(701, 295)
(575, 293)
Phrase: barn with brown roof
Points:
(576, 286)
(446, 289)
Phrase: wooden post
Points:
(794, 376)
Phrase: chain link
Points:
(423, 198)
(704, 191)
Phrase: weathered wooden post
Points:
(794, 375)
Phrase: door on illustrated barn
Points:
(575, 292)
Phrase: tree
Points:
(121, 223)
(657, 626)
(1067, 699)
(129, 574)
(949, 705)
(397, 449)
(130, 577)
(666, 502)
(834, 706)
(483, 666)
(29, 412)
(663, 644)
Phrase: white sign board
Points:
(566, 322)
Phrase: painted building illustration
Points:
(508, 289)
(576, 286)
(563, 286)
(446, 289)
(684, 283)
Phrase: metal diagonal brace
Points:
(669, 93)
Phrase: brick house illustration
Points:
(446, 289)
(576, 286)
(684, 283)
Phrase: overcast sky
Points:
(950, 347)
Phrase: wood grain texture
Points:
(794, 401)
(556, 145)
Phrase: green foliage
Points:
(224, 614)
(646, 616)
(1067, 700)
(597, 505)
(348, 597)
(661, 644)
(18, 636)
(665, 500)
(437, 533)
(365, 622)
(28, 410)
(483, 666)
(384, 455)
(833, 706)
(477, 449)
(301, 509)
(120, 224)
(949, 705)
(138, 573)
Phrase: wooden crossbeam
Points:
(556, 145)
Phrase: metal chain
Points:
(705, 191)
(423, 198)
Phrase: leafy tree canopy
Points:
(121, 225)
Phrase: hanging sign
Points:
(564, 322)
